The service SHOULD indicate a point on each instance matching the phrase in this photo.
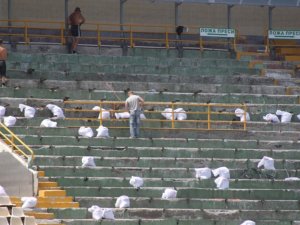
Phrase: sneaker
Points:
(132, 137)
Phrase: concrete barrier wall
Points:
(249, 20)
(15, 177)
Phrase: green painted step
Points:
(121, 151)
(193, 203)
(162, 142)
(61, 86)
(175, 162)
(157, 133)
(177, 182)
(78, 171)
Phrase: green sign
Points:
(217, 32)
(284, 34)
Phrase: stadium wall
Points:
(249, 20)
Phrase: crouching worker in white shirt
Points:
(133, 104)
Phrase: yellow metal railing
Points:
(205, 115)
(14, 141)
(133, 34)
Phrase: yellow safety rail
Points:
(14, 141)
(96, 33)
(207, 114)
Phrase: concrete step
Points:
(163, 162)
(121, 151)
(46, 77)
(193, 203)
(197, 214)
(56, 88)
(162, 172)
(261, 183)
(163, 142)
(172, 222)
(157, 133)
(227, 98)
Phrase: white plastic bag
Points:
(56, 111)
(2, 111)
(169, 193)
(2, 191)
(29, 111)
(267, 163)
(136, 182)
(221, 172)
(102, 132)
(298, 116)
(108, 214)
(9, 121)
(222, 183)
(122, 202)
(88, 161)
(292, 179)
(101, 213)
(48, 123)
(142, 116)
(203, 173)
(248, 222)
(271, 118)
(180, 114)
(167, 113)
(105, 113)
(241, 114)
(86, 132)
(28, 202)
(122, 115)
(96, 211)
(286, 117)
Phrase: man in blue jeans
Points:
(134, 105)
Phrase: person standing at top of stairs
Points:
(76, 19)
(3, 58)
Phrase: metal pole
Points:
(271, 17)
(66, 15)
(229, 16)
(9, 12)
(122, 14)
(177, 4)
(123, 45)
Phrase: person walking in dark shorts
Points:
(76, 20)
(3, 58)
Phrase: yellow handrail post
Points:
(208, 116)
(245, 117)
(26, 33)
(167, 40)
(201, 44)
(100, 115)
(131, 38)
(62, 38)
(98, 36)
(234, 44)
(173, 116)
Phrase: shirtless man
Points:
(3, 58)
(75, 20)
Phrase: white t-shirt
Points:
(133, 102)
